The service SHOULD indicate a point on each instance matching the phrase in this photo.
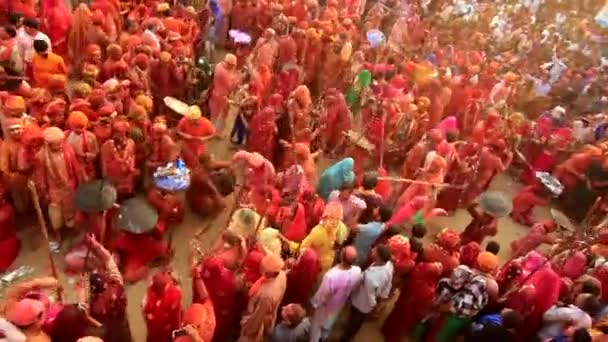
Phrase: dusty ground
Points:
(34, 254)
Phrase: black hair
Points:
(591, 305)
(370, 180)
(581, 335)
(493, 247)
(31, 23)
(10, 30)
(589, 286)
(347, 186)
(14, 18)
(386, 212)
(418, 230)
(417, 247)
(40, 45)
(384, 252)
(511, 319)
(390, 232)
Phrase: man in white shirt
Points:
(26, 36)
(333, 294)
(352, 206)
(374, 288)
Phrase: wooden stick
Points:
(45, 234)
(413, 181)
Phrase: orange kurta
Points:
(44, 68)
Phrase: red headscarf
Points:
(296, 230)
(251, 267)
(469, 253)
(302, 277)
(221, 286)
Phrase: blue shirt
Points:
(366, 236)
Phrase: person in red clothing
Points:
(525, 201)
(9, 243)
(170, 207)
(162, 307)
(137, 251)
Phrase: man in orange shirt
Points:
(46, 64)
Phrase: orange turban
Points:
(121, 126)
(107, 110)
(448, 238)
(487, 261)
(32, 133)
(137, 112)
(81, 89)
(77, 119)
(90, 70)
(15, 103)
(57, 82)
(165, 56)
(25, 312)
(145, 101)
(114, 50)
(201, 316)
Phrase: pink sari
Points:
(547, 282)
(262, 133)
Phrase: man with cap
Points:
(118, 159)
(163, 149)
(27, 314)
(83, 142)
(13, 107)
(194, 130)
(225, 80)
(9, 148)
(59, 174)
(265, 297)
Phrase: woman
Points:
(71, 324)
(292, 222)
(262, 133)
(230, 249)
(323, 238)
(202, 195)
(108, 300)
(549, 284)
(222, 290)
(302, 278)
(536, 236)
(162, 307)
(418, 292)
(444, 250)
(336, 176)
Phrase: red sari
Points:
(221, 285)
(262, 133)
(418, 292)
(57, 24)
(162, 312)
(9, 243)
(295, 228)
(302, 278)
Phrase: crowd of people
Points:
(417, 105)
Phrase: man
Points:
(83, 142)
(15, 182)
(333, 293)
(13, 107)
(163, 149)
(578, 315)
(352, 205)
(375, 287)
(165, 79)
(265, 296)
(59, 174)
(225, 81)
(295, 326)
(118, 159)
(367, 234)
(46, 64)
(26, 37)
(194, 130)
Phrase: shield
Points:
(136, 216)
(176, 105)
(375, 37)
(550, 182)
(495, 204)
(95, 196)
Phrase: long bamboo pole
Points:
(413, 181)
(45, 234)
